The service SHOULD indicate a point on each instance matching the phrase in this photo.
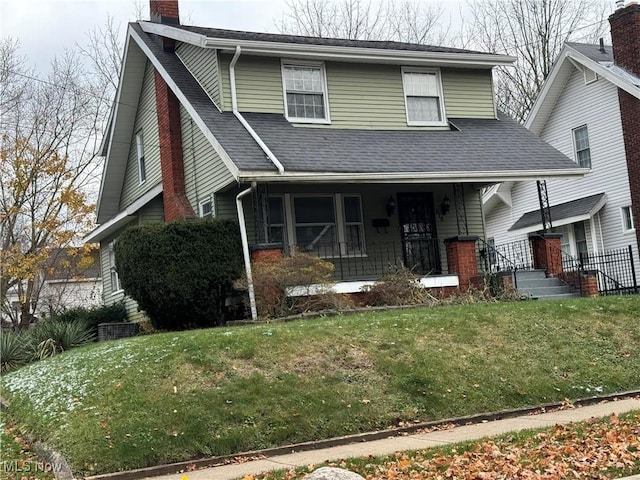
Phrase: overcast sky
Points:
(46, 27)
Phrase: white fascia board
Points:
(175, 33)
(546, 88)
(233, 169)
(610, 75)
(113, 115)
(124, 217)
(409, 177)
(374, 55)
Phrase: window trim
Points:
(284, 63)
(201, 203)
(113, 271)
(420, 123)
(142, 167)
(575, 146)
(623, 218)
(339, 220)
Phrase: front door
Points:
(418, 232)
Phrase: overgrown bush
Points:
(14, 351)
(93, 317)
(398, 286)
(180, 273)
(293, 284)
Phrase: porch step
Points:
(535, 284)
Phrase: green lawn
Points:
(178, 396)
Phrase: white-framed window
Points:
(327, 225)
(305, 92)
(581, 145)
(424, 100)
(627, 219)
(142, 169)
(580, 236)
(206, 207)
(276, 220)
(113, 273)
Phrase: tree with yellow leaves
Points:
(49, 140)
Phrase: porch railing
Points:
(615, 270)
(355, 261)
(509, 257)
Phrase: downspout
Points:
(245, 250)
(238, 115)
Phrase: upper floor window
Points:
(142, 170)
(581, 144)
(627, 219)
(305, 93)
(423, 96)
(205, 208)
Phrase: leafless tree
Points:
(412, 21)
(534, 31)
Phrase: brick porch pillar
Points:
(462, 260)
(266, 251)
(547, 254)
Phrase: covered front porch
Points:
(366, 230)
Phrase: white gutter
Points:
(245, 124)
(245, 250)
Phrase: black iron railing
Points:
(615, 270)
(355, 261)
(509, 257)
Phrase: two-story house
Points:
(589, 109)
(365, 153)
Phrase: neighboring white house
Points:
(67, 281)
(578, 112)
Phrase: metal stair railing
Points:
(490, 252)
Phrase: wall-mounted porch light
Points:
(391, 206)
(444, 207)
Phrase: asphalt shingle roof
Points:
(336, 42)
(574, 208)
(474, 145)
(593, 51)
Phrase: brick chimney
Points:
(176, 203)
(625, 35)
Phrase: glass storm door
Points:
(420, 250)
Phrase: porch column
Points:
(462, 260)
(547, 253)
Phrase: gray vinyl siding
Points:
(205, 172)
(152, 212)
(147, 123)
(595, 105)
(203, 65)
(360, 95)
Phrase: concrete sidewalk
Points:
(410, 442)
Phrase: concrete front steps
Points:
(537, 285)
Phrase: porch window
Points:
(275, 220)
(627, 220)
(315, 224)
(305, 93)
(353, 226)
(423, 96)
(581, 239)
(581, 143)
(142, 169)
(115, 279)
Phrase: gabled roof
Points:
(334, 48)
(578, 56)
(562, 214)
